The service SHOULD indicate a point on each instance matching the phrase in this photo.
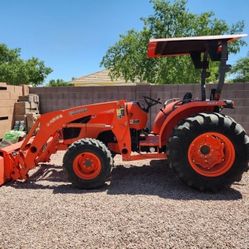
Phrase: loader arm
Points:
(45, 137)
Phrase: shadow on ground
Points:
(154, 179)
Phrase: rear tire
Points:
(88, 163)
(209, 151)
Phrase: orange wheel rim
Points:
(211, 154)
(87, 165)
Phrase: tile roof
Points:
(99, 78)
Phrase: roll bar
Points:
(201, 49)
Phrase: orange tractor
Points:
(207, 149)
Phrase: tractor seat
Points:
(187, 97)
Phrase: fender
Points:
(184, 111)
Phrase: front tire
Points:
(209, 151)
(87, 163)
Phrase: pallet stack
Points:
(26, 110)
(8, 96)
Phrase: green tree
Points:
(58, 82)
(16, 71)
(128, 57)
(240, 70)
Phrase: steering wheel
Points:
(150, 102)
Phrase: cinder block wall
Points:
(64, 97)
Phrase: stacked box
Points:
(32, 98)
(8, 96)
(30, 120)
(27, 110)
(25, 107)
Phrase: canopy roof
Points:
(190, 45)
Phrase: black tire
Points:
(93, 146)
(192, 127)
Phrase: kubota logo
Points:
(54, 119)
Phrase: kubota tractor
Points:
(207, 149)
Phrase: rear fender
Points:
(184, 111)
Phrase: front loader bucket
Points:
(1, 171)
(7, 162)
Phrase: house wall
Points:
(64, 97)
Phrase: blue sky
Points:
(72, 36)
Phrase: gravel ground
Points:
(144, 206)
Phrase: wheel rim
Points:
(211, 154)
(87, 165)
